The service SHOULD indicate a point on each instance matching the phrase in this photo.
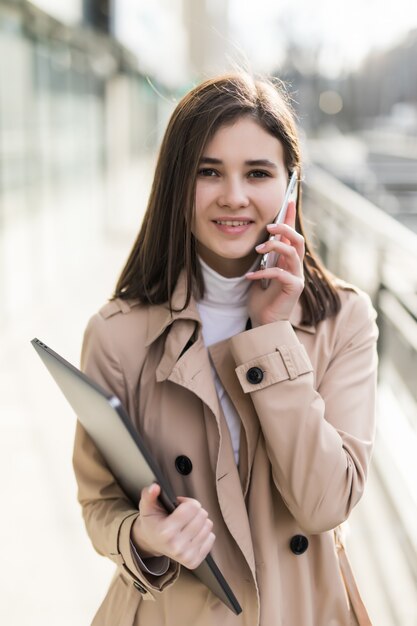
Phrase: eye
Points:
(258, 174)
(207, 171)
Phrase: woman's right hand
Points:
(183, 535)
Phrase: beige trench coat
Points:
(306, 440)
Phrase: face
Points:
(240, 187)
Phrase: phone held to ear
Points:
(270, 258)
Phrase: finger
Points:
(195, 560)
(291, 214)
(287, 279)
(199, 526)
(293, 260)
(185, 512)
(149, 494)
(284, 230)
(294, 238)
(193, 537)
(149, 499)
(185, 544)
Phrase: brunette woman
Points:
(258, 404)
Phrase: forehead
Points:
(245, 139)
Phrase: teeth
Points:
(231, 223)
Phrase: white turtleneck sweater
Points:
(223, 311)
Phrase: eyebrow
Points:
(252, 162)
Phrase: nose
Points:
(233, 194)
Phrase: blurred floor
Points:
(80, 240)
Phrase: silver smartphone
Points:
(270, 258)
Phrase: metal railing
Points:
(365, 246)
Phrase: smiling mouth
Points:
(232, 222)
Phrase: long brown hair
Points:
(165, 244)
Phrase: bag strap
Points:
(352, 590)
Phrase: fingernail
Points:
(261, 246)
(249, 273)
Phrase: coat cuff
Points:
(156, 566)
(145, 583)
(267, 355)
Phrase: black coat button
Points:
(139, 587)
(254, 375)
(183, 465)
(299, 544)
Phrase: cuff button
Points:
(254, 375)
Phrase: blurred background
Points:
(86, 88)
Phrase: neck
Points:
(229, 268)
(228, 294)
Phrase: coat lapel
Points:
(193, 371)
(225, 367)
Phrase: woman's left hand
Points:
(277, 302)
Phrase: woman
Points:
(258, 404)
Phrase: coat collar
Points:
(160, 317)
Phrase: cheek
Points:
(272, 213)
(199, 203)
(272, 204)
(271, 208)
(196, 226)
(203, 200)
(203, 197)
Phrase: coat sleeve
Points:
(108, 513)
(319, 441)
